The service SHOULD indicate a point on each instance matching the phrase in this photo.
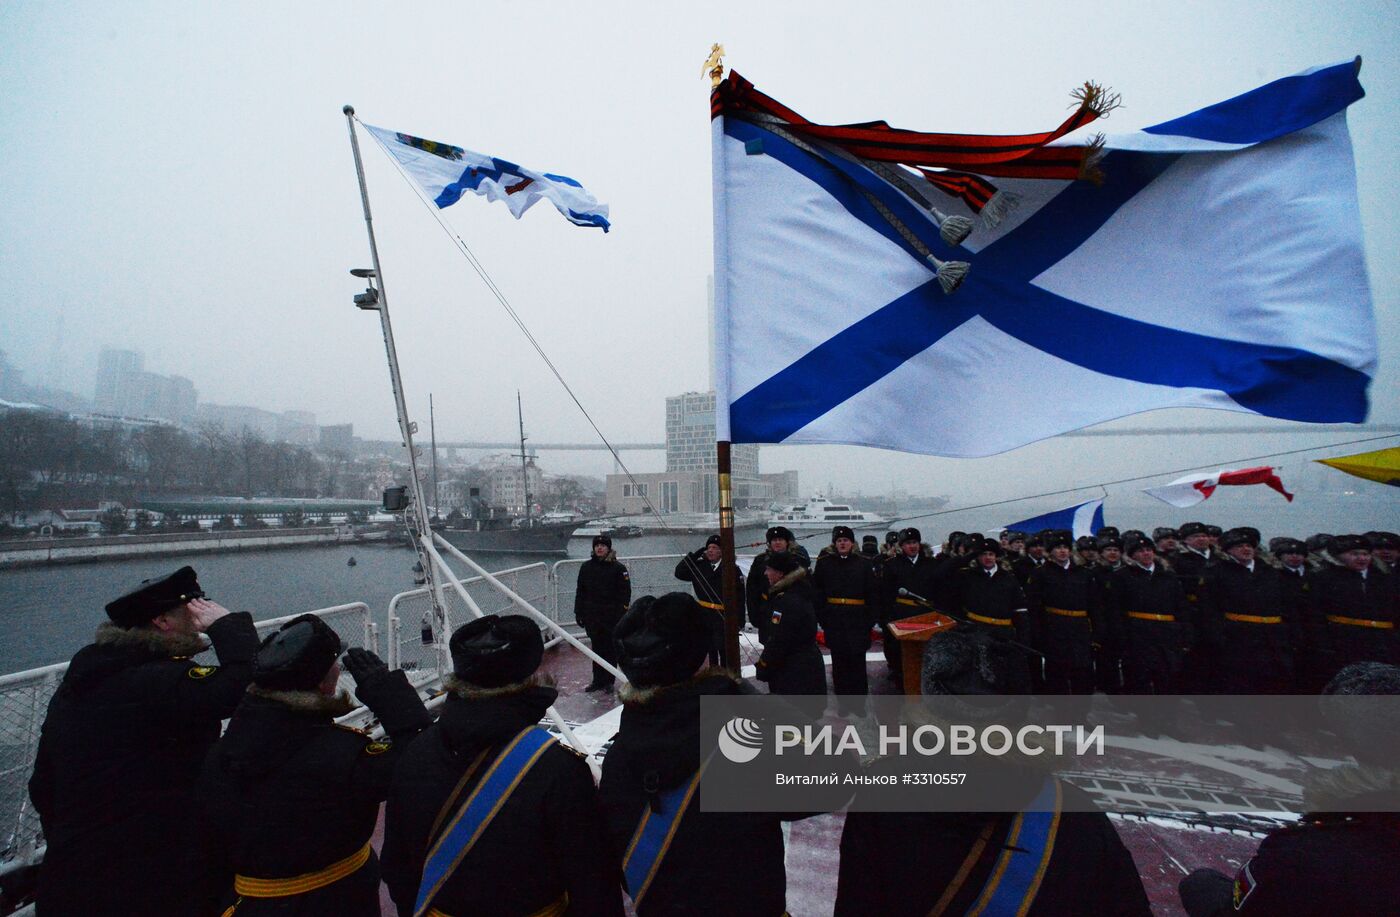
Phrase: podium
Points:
(912, 634)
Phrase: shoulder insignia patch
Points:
(378, 748)
(625, 574)
(777, 617)
(1244, 884)
(201, 671)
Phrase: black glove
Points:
(760, 671)
(364, 666)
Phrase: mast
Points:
(432, 431)
(524, 467)
(375, 299)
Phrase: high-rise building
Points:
(124, 388)
(116, 372)
(690, 438)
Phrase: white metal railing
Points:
(24, 702)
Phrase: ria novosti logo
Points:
(740, 740)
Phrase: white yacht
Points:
(820, 514)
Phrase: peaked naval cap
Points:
(155, 597)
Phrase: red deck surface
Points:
(1164, 850)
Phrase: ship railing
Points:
(24, 702)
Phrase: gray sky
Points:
(178, 180)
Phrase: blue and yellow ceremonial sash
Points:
(1016, 877)
(654, 834)
(472, 819)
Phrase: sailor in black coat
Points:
(704, 571)
(780, 540)
(603, 593)
(915, 569)
(908, 864)
(121, 748)
(847, 591)
(546, 847)
(1251, 627)
(1289, 557)
(294, 795)
(1066, 619)
(726, 863)
(1356, 609)
(791, 663)
(1339, 858)
(1152, 625)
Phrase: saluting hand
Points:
(364, 666)
(204, 613)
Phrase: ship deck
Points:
(1165, 849)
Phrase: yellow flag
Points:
(1383, 465)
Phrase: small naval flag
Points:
(445, 172)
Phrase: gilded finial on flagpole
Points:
(714, 65)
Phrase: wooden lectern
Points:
(912, 634)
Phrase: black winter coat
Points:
(292, 793)
(726, 863)
(603, 593)
(898, 864)
(851, 579)
(1063, 638)
(756, 590)
(547, 839)
(791, 663)
(1153, 651)
(706, 579)
(1252, 656)
(119, 756)
(1342, 593)
(933, 578)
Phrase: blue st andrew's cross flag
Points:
(1219, 264)
(446, 172)
(1084, 519)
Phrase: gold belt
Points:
(983, 619)
(710, 605)
(250, 887)
(1253, 619)
(1148, 616)
(555, 908)
(1067, 612)
(845, 601)
(1361, 622)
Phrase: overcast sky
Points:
(178, 180)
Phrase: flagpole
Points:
(378, 300)
(729, 569)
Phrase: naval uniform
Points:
(847, 593)
(295, 798)
(118, 759)
(728, 863)
(924, 575)
(1066, 621)
(707, 579)
(1152, 627)
(544, 851)
(1356, 618)
(756, 590)
(1250, 629)
(603, 593)
(791, 663)
(911, 864)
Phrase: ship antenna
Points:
(524, 468)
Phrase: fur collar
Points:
(632, 695)
(332, 705)
(608, 558)
(458, 688)
(788, 581)
(158, 643)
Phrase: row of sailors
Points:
(147, 811)
(1123, 613)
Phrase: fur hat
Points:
(870, 545)
(662, 641)
(602, 539)
(712, 540)
(1319, 542)
(1109, 541)
(910, 534)
(1132, 545)
(1236, 537)
(1059, 540)
(986, 546)
(1110, 531)
(1164, 531)
(1344, 543)
(1282, 545)
(779, 531)
(1086, 543)
(1191, 528)
(297, 656)
(842, 531)
(496, 650)
(155, 597)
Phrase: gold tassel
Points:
(1097, 99)
(1093, 155)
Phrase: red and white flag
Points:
(1194, 488)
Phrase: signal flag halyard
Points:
(1219, 265)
